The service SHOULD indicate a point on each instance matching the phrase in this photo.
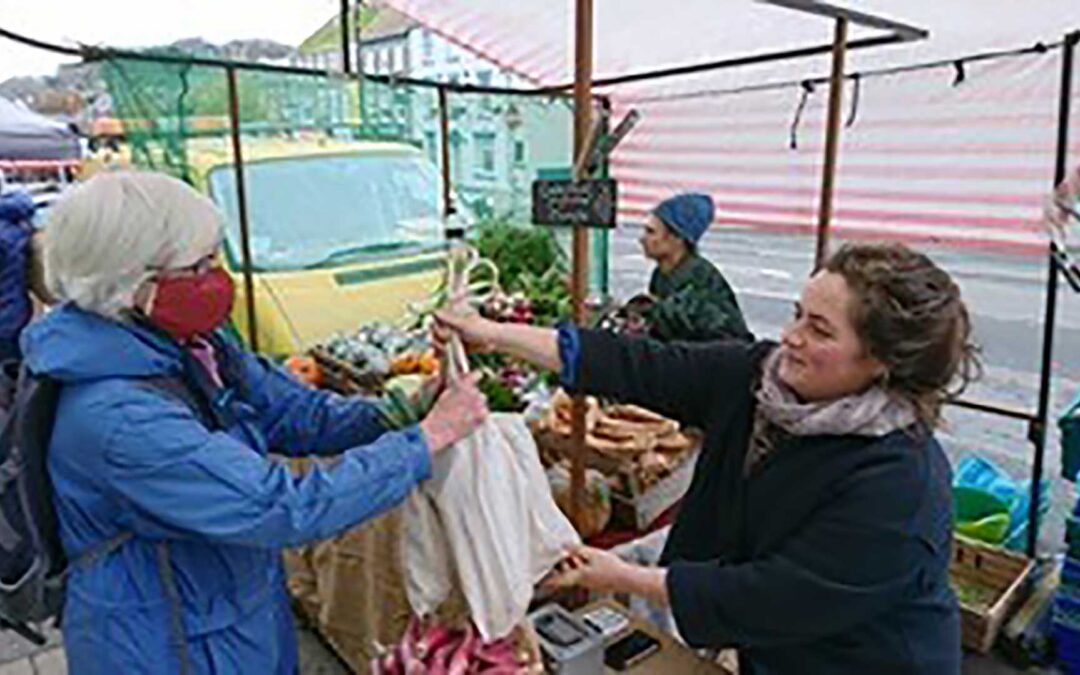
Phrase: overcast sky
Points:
(703, 30)
(134, 23)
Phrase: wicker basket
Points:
(1002, 573)
(634, 505)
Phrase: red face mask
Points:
(192, 305)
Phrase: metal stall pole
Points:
(346, 57)
(444, 150)
(583, 53)
(358, 33)
(1037, 429)
(832, 141)
(241, 207)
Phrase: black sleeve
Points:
(854, 558)
(682, 381)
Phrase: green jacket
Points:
(694, 303)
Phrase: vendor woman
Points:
(815, 536)
(688, 299)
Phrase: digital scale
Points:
(568, 645)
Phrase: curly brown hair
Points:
(908, 314)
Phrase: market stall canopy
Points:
(535, 37)
(26, 135)
(959, 154)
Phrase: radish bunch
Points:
(516, 308)
(436, 649)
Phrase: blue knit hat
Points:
(688, 215)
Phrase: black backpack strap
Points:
(98, 551)
(197, 396)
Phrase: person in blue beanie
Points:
(16, 234)
(691, 300)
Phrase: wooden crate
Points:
(1003, 573)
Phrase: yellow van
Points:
(342, 233)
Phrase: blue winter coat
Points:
(128, 457)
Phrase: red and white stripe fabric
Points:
(923, 160)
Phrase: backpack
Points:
(32, 561)
(33, 565)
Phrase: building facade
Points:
(498, 143)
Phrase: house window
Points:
(431, 142)
(483, 78)
(427, 47)
(519, 152)
(484, 155)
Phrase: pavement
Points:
(317, 659)
(19, 657)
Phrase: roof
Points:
(534, 38)
(376, 23)
(26, 135)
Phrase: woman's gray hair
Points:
(104, 238)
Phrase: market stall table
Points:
(673, 658)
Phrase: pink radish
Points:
(459, 662)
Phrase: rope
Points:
(854, 101)
(1038, 48)
(960, 74)
(808, 88)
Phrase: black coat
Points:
(832, 557)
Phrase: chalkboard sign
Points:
(565, 202)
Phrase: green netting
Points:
(176, 119)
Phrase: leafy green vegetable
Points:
(974, 595)
(500, 398)
(405, 401)
(519, 250)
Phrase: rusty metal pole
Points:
(241, 208)
(583, 53)
(832, 142)
(346, 55)
(444, 148)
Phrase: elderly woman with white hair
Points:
(159, 450)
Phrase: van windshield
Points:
(309, 212)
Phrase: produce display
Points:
(406, 399)
(651, 444)
(306, 369)
(533, 290)
(379, 350)
(975, 596)
(627, 319)
(435, 648)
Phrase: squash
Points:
(306, 369)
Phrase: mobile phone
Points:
(606, 621)
(627, 652)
